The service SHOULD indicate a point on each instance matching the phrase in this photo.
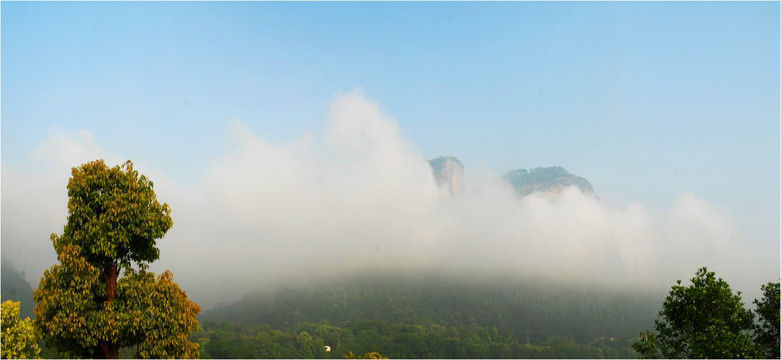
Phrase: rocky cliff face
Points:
(449, 173)
(550, 180)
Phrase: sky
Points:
(288, 137)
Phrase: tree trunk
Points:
(111, 282)
(105, 349)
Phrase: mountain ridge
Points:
(449, 173)
(549, 180)
(16, 288)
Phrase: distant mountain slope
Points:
(449, 173)
(551, 180)
(533, 310)
(14, 287)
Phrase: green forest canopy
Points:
(406, 314)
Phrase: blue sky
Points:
(647, 100)
(531, 83)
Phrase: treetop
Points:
(113, 215)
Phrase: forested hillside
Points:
(15, 287)
(430, 315)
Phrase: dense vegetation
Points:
(18, 335)
(554, 178)
(395, 340)
(429, 315)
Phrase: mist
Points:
(358, 195)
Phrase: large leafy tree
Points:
(766, 331)
(83, 307)
(702, 320)
(18, 338)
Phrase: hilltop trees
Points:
(706, 320)
(18, 338)
(83, 307)
(703, 320)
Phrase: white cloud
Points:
(35, 199)
(360, 194)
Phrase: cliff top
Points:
(545, 179)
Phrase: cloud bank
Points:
(360, 195)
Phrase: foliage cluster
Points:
(707, 320)
(370, 355)
(18, 336)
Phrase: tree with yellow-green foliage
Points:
(369, 355)
(374, 355)
(19, 340)
(84, 308)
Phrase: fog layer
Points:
(360, 195)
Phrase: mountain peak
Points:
(550, 180)
(448, 172)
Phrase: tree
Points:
(83, 308)
(18, 339)
(766, 331)
(305, 346)
(368, 355)
(373, 355)
(703, 320)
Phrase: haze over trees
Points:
(430, 314)
(15, 287)
(84, 308)
(289, 211)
